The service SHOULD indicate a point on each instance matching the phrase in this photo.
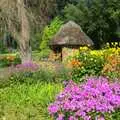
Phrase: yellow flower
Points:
(84, 48)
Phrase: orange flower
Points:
(75, 63)
(10, 58)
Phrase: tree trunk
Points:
(25, 53)
(24, 43)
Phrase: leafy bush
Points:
(41, 55)
(90, 64)
(44, 54)
(96, 98)
(49, 32)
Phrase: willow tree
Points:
(14, 19)
(16, 16)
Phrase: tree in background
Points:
(62, 3)
(98, 18)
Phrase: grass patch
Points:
(27, 102)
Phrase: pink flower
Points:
(97, 95)
(53, 108)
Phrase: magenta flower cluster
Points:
(78, 101)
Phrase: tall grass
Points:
(27, 102)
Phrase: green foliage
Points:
(63, 3)
(2, 47)
(36, 40)
(4, 63)
(17, 60)
(44, 53)
(98, 18)
(50, 31)
(113, 75)
(41, 55)
(23, 102)
(115, 115)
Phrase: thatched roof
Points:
(71, 34)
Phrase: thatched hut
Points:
(69, 36)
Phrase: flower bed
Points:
(8, 60)
(95, 62)
(97, 98)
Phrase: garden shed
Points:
(69, 38)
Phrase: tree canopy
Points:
(99, 18)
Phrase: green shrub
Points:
(49, 31)
(44, 53)
(41, 55)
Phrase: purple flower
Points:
(28, 66)
(53, 109)
(97, 95)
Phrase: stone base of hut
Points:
(63, 53)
